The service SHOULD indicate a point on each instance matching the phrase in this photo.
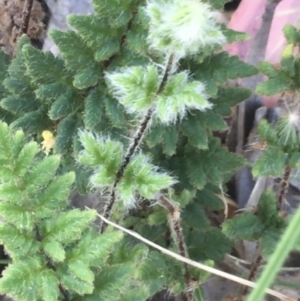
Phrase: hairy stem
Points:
(254, 269)
(174, 219)
(284, 183)
(137, 139)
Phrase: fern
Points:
(130, 67)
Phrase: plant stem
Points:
(174, 219)
(283, 186)
(252, 274)
(139, 135)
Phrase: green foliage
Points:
(216, 69)
(264, 225)
(106, 80)
(282, 147)
(139, 176)
(73, 95)
(276, 84)
(267, 133)
(291, 34)
(210, 243)
(281, 152)
(54, 250)
(271, 163)
(229, 97)
(284, 246)
(4, 64)
(285, 78)
(246, 226)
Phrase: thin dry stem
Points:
(222, 197)
(195, 263)
(256, 193)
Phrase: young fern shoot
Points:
(174, 30)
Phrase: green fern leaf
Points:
(49, 287)
(37, 62)
(268, 211)
(195, 217)
(273, 86)
(64, 105)
(25, 158)
(10, 192)
(114, 112)
(157, 218)
(196, 173)
(81, 271)
(32, 122)
(154, 135)
(152, 271)
(194, 130)
(269, 241)
(17, 104)
(94, 249)
(16, 215)
(65, 131)
(68, 226)
(43, 172)
(214, 244)
(5, 141)
(228, 98)
(232, 35)
(246, 226)
(4, 64)
(267, 132)
(93, 109)
(23, 245)
(291, 34)
(54, 249)
(110, 281)
(75, 285)
(79, 58)
(207, 199)
(26, 274)
(271, 163)
(169, 140)
(142, 293)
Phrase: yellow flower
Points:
(49, 141)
